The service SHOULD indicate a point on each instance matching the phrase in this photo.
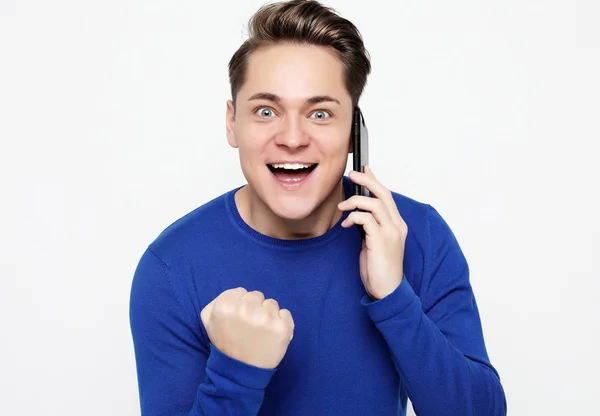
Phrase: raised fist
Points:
(249, 328)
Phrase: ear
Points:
(230, 125)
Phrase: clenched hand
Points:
(249, 328)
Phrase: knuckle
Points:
(236, 290)
(286, 316)
(255, 294)
(271, 302)
(231, 295)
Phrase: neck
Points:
(258, 216)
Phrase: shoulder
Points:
(424, 219)
(409, 206)
(426, 225)
(414, 212)
(191, 232)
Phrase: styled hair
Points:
(305, 22)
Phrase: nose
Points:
(292, 134)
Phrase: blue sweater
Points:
(349, 355)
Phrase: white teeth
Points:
(292, 166)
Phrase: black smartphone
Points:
(360, 152)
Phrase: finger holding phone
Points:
(383, 229)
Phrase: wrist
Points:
(383, 292)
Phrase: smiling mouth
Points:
(291, 168)
(292, 176)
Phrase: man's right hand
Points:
(249, 328)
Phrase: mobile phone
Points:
(360, 153)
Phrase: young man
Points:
(267, 300)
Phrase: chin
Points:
(292, 208)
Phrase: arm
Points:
(178, 372)
(437, 344)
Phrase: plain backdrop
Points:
(112, 126)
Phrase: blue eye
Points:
(265, 112)
(321, 114)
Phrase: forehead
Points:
(294, 71)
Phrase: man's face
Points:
(293, 111)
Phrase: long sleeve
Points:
(436, 340)
(179, 373)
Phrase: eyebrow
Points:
(311, 100)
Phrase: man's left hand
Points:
(382, 254)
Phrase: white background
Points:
(112, 127)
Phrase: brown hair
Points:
(304, 22)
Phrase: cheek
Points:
(250, 137)
(251, 148)
(336, 145)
